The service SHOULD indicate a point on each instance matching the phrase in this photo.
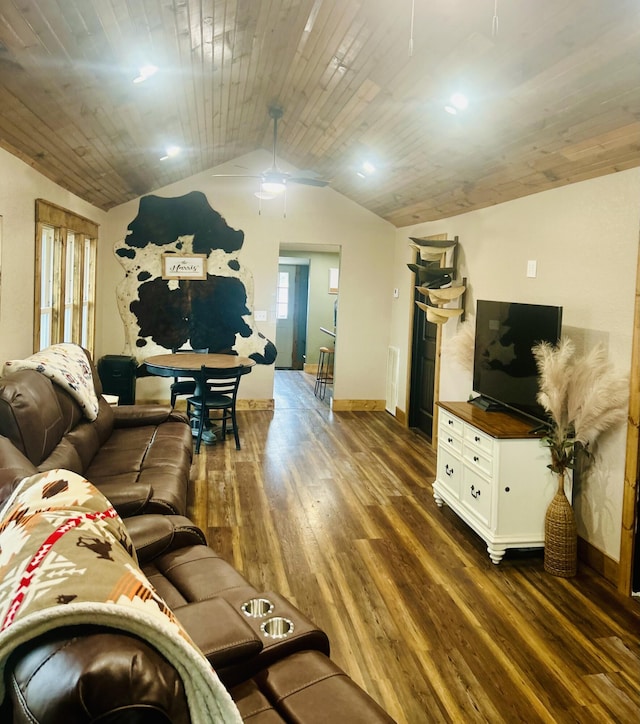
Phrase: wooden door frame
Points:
(632, 459)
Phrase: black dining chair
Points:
(220, 393)
(180, 386)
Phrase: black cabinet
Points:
(118, 377)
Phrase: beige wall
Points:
(584, 238)
(314, 216)
(20, 186)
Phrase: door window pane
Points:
(282, 296)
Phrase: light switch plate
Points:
(532, 268)
(260, 315)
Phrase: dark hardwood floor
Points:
(335, 511)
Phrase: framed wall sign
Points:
(188, 266)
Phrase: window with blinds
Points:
(65, 277)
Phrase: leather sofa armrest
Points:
(88, 674)
(128, 500)
(136, 415)
(223, 636)
(296, 686)
(15, 467)
(153, 534)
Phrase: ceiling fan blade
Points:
(236, 175)
(309, 181)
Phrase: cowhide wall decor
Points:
(160, 314)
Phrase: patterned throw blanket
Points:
(55, 527)
(66, 365)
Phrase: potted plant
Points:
(583, 396)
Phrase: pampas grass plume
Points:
(597, 396)
(460, 347)
(554, 367)
(584, 396)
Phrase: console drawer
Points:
(479, 439)
(449, 472)
(448, 439)
(475, 494)
(477, 461)
(450, 423)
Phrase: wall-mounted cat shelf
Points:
(439, 315)
(436, 281)
(432, 249)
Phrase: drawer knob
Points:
(476, 438)
(449, 440)
(448, 470)
(475, 458)
(474, 493)
(507, 489)
(450, 422)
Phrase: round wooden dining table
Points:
(188, 364)
(185, 364)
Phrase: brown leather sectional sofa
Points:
(139, 456)
(272, 659)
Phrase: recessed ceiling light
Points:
(170, 152)
(460, 101)
(145, 72)
(457, 102)
(366, 169)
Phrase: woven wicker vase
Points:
(560, 536)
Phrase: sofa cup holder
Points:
(257, 607)
(277, 627)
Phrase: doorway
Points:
(425, 356)
(292, 300)
(317, 322)
(423, 373)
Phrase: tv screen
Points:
(504, 369)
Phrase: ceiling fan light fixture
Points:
(264, 195)
(273, 181)
(273, 187)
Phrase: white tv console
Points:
(492, 471)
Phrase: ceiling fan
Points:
(274, 181)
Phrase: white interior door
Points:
(284, 316)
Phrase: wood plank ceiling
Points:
(553, 89)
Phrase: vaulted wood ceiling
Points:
(553, 89)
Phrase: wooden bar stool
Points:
(325, 372)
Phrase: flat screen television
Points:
(504, 369)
